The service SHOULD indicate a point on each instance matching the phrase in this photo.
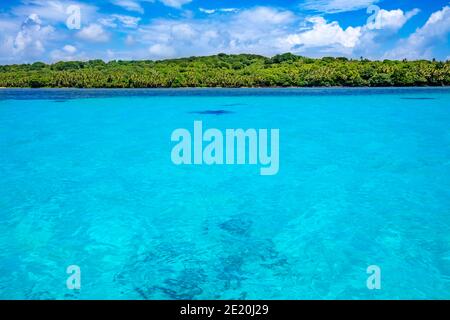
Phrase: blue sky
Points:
(52, 30)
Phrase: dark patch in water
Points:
(71, 296)
(157, 272)
(214, 112)
(277, 264)
(142, 293)
(420, 98)
(175, 270)
(236, 226)
(230, 271)
(186, 286)
(181, 289)
(60, 101)
(266, 250)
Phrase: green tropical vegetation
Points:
(222, 70)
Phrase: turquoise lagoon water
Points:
(86, 178)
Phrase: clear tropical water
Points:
(86, 178)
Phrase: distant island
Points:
(231, 71)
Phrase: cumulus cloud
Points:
(260, 30)
(419, 45)
(267, 31)
(94, 33)
(391, 20)
(69, 49)
(376, 33)
(266, 15)
(324, 34)
(67, 53)
(32, 36)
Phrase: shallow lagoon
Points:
(86, 178)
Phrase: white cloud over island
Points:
(419, 45)
(129, 34)
(266, 30)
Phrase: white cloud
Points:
(114, 20)
(67, 53)
(127, 21)
(256, 30)
(130, 5)
(109, 22)
(335, 6)
(393, 19)
(268, 31)
(175, 3)
(229, 10)
(207, 11)
(420, 44)
(325, 34)
(30, 39)
(266, 15)
(211, 11)
(69, 49)
(259, 30)
(375, 34)
(161, 51)
(183, 31)
(22, 40)
(63, 55)
(93, 32)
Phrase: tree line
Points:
(222, 70)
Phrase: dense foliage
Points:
(223, 70)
